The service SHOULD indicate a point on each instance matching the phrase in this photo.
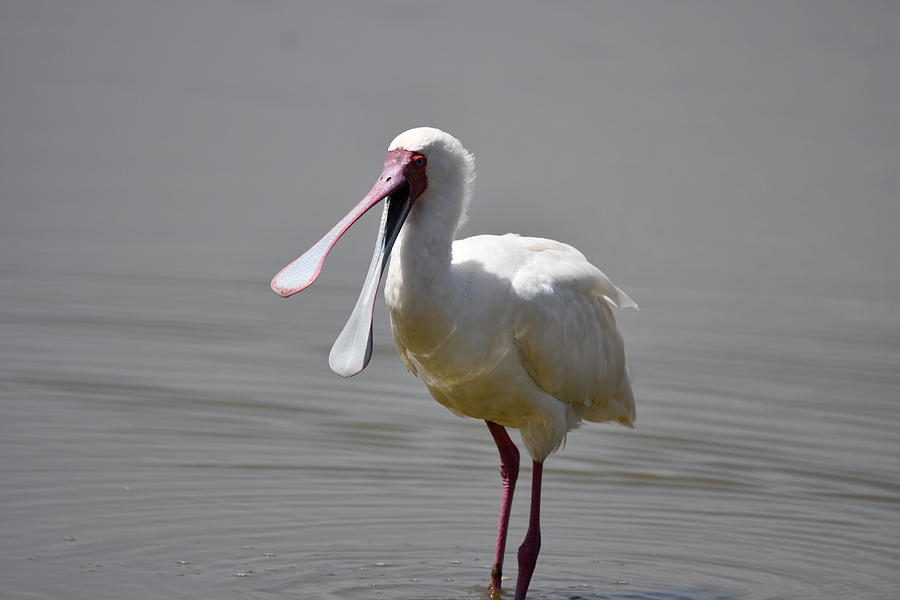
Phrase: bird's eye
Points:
(419, 160)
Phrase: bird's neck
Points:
(420, 289)
(426, 240)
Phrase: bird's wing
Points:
(567, 333)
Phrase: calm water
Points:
(169, 437)
(169, 428)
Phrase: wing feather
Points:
(567, 332)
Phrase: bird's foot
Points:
(496, 576)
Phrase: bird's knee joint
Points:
(529, 549)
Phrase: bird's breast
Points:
(472, 369)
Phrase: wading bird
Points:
(516, 331)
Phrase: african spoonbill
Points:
(516, 331)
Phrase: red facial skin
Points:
(411, 167)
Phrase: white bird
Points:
(516, 331)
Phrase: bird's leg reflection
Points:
(509, 472)
(528, 551)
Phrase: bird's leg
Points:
(509, 472)
(528, 551)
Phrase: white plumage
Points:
(509, 329)
(531, 344)
(517, 331)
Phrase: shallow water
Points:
(164, 438)
(169, 428)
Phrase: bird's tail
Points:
(619, 409)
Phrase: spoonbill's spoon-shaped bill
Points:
(401, 182)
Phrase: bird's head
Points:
(418, 160)
(448, 164)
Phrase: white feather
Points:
(515, 330)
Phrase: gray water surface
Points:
(169, 428)
(159, 439)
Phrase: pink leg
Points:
(528, 551)
(509, 472)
